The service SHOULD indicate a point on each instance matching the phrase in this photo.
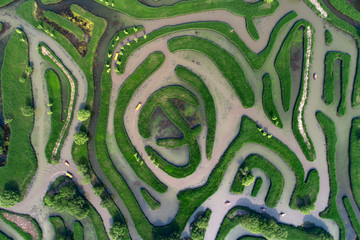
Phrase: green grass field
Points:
(16, 95)
(352, 215)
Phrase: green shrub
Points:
(83, 114)
(81, 138)
(328, 37)
(199, 225)
(118, 231)
(9, 198)
(27, 111)
(67, 198)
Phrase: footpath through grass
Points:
(331, 212)
(225, 62)
(17, 94)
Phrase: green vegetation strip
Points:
(50, 1)
(98, 223)
(227, 64)
(54, 92)
(3, 236)
(191, 78)
(354, 163)
(78, 231)
(331, 212)
(153, 203)
(329, 79)
(352, 215)
(137, 9)
(199, 225)
(256, 60)
(61, 231)
(148, 67)
(277, 180)
(346, 8)
(3, 3)
(298, 123)
(268, 102)
(251, 28)
(259, 224)
(257, 186)
(17, 95)
(282, 61)
(65, 23)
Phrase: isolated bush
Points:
(98, 189)
(22, 79)
(118, 231)
(28, 70)
(80, 138)
(8, 198)
(83, 115)
(106, 201)
(27, 111)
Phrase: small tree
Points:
(22, 79)
(83, 115)
(118, 231)
(80, 138)
(27, 111)
(8, 198)
(28, 70)
(105, 201)
(98, 189)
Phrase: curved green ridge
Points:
(54, 93)
(309, 151)
(329, 79)
(352, 215)
(65, 23)
(276, 178)
(15, 95)
(138, 10)
(268, 102)
(282, 62)
(127, 90)
(354, 159)
(193, 79)
(78, 231)
(331, 212)
(250, 27)
(256, 60)
(257, 185)
(261, 223)
(162, 98)
(151, 201)
(346, 8)
(173, 170)
(227, 64)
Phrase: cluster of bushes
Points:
(118, 231)
(199, 225)
(243, 178)
(63, 195)
(9, 197)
